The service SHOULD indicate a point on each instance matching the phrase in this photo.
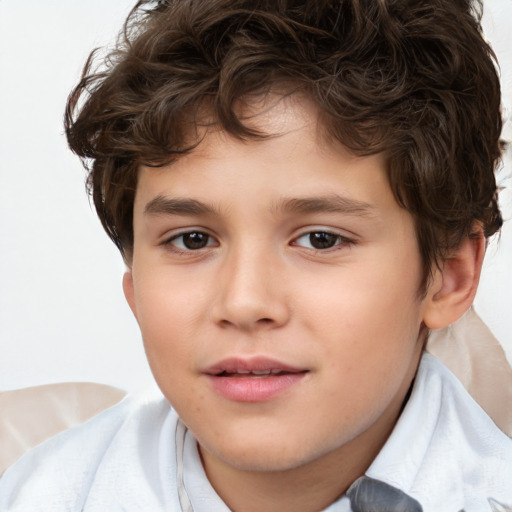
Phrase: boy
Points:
(301, 190)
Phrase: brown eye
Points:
(191, 241)
(323, 240)
(195, 240)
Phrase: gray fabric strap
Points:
(496, 506)
(369, 495)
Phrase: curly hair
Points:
(414, 79)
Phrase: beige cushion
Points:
(31, 415)
(474, 355)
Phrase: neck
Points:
(300, 489)
(309, 487)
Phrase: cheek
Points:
(168, 315)
(363, 291)
(166, 299)
(371, 312)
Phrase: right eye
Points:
(191, 241)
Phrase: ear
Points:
(454, 286)
(128, 289)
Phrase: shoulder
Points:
(455, 416)
(446, 395)
(445, 451)
(59, 474)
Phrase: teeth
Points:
(253, 372)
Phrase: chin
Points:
(262, 462)
(265, 457)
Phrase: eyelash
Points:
(340, 241)
(184, 250)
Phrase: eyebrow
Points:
(326, 204)
(161, 205)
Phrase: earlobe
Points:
(454, 286)
(128, 290)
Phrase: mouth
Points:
(255, 374)
(253, 380)
(255, 367)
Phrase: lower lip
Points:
(254, 389)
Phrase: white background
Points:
(62, 313)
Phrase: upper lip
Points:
(235, 365)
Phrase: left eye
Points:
(191, 241)
(320, 240)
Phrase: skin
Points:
(349, 315)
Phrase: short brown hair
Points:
(412, 78)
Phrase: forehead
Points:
(294, 159)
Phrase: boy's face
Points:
(287, 255)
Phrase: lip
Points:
(234, 379)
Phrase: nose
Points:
(250, 293)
